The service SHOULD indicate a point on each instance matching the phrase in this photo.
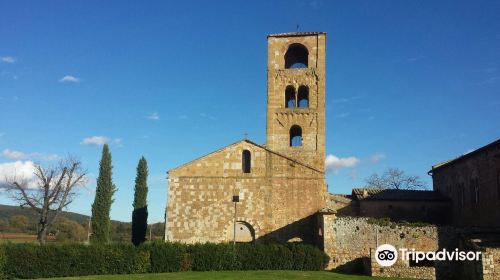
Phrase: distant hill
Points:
(7, 211)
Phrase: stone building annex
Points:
(281, 184)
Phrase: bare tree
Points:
(52, 189)
(396, 179)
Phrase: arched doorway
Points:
(244, 232)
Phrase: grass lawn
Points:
(240, 275)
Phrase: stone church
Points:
(279, 186)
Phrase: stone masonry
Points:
(280, 185)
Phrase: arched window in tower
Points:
(296, 56)
(303, 99)
(246, 161)
(290, 97)
(295, 136)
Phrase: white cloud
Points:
(153, 116)
(334, 163)
(8, 59)
(376, 157)
(101, 140)
(19, 169)
(45, 157)
(70, 79)
(14, 155)
(95, 140)
(18, 155)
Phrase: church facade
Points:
(279, 186)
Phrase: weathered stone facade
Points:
(350, 242)
(280, 185)
(472, 182)
(278, 192)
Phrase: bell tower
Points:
(296, 96)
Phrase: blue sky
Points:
(409, 84)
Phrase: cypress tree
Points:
(140, 213)
(101, 223)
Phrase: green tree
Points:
(101, 223)
(69, 230)
(140, 213)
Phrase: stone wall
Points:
(278, 198)
(472, 182)
(400, 269)
(342, 204)
(349, 241)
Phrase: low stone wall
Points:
(401, 269)
(349, 242)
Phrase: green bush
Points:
(210, 256)
(35, 261)
(168, 257)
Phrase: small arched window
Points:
(290, 97)
(246, 161)
(296, 56)
(295, 136)
(303, 99)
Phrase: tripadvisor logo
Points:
(387, 255)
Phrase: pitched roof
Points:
(295, 34)
(253, 143)
(395, 195)
(465, 156)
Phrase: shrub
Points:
(313, 259)
(168, 257)
(268, 257)
(35, 261)
(210, 256)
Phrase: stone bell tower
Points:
(296, 96)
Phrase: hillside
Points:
(7, 211)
